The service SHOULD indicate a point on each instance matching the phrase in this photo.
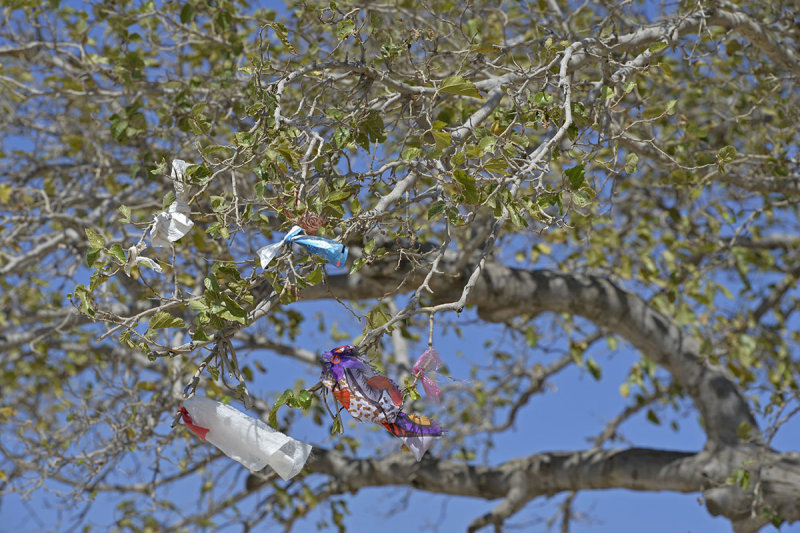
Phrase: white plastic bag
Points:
(245, 439)
(174, 223)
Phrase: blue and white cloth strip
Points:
(332, 251)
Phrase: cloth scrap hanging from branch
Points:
(174, 223)
(369, 396)
(429, 362)
(134, 260)
(332, 251)
(243, 438)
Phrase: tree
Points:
(579, 175)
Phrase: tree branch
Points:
(502, 293)
(546, 474)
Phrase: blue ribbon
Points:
(332, 251)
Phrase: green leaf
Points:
(460, 86)
(576, 176)
(653, 417)
(5, 193)
(118, 253)
(441, 139)
(594, 369)
(168, 199)
(214, 148)
(218, 204)
(95, 239)
(412, 392)
(199, 124)
(744, 431)
(304, 399)
(496, 164)
(487, 144)
(125, 339)
(436, 209)
(246, 138)
(458, 159)
(233, 311)
(369, 247)
(211, 284)
(657, 47)
(187, 11)
(451, 212)
(125, 211)
(198, 305)
(581, 198)
(410, 153)
(315, 277)
(91, 256)
(741, 477)
(281, 31)
(357, 264)
(731, 47)
(200, 335)
(118, 127)
(344, 28)
(543, 99)
(286, 397)
(670, 109)
(612, 342)
(198, 174)
(163, 320)
(337, 197)
(513, 214)
(341, 137)
(336, 426)
(86, 304)
(727, 154)
(371, 129)
(629, 86)
(631, 161)
(377, 318)
(468, 186)
(579, 112)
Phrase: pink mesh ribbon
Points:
(429, 361)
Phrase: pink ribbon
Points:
(429, 361)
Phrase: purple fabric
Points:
(369, 396)
(410, 428)
(345, 361)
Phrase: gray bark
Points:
(774, 476)
(503, 293)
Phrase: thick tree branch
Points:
(503, 293)
(731, 19)
(546, 474)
